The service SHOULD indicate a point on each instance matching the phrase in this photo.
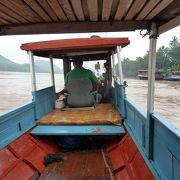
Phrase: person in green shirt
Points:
(79, 72)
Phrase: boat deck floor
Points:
(79, 165)
(101, 114)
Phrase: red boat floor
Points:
(101, 114)
(79, 165)
(23, 159)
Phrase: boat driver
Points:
(79, 72)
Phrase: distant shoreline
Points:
(28, 72)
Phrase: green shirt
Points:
(80, 73)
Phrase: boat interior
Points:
(122, 142)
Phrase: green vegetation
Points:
(167, 59)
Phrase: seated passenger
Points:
(80, 73)
(80, 83)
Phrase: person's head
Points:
(78, 63)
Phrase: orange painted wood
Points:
(102, 114)
(127, 162)
(24, 157)
(21, 172)
(75, 44)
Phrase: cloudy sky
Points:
(10, 45)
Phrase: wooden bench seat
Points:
(104, 114)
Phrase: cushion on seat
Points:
(80, 93)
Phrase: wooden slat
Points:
(26, 11)
(35, 6)
(4, 22)
(8, 18)
(74, 27)
(93, 9)
(77, 6)
(17, 10)
(57, 9)
(67, 9)
(134, 10)
(48, 9)
(122, 9)
(147, 9)
(12, 13)
(162, 5)
(169, 25)
(106, 9)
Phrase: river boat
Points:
(159, 75)
(131, 144)
(173, 76)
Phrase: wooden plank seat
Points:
(80, 165)
(101, 114)
(78, 130)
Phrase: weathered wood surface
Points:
(79, 165)
(102, 114)
(27, 13)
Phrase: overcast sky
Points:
(10, 45)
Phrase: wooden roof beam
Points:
(93, 9)
(67, 9)
(162, 5)
(107, 4)
(57, 9)
(122, 9)
(37, 8)
(77, 6)
(135, 8)
(169, 25)
(73, 27)
(147, 9)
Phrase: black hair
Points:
(78, 62)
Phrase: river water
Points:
(15, 90)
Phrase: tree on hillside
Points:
(174, 51)
(162, 58)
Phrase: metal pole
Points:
(32, 70)
(150, 96)
(52, 70)
(120, 64)
(113, 64)
(151, 69)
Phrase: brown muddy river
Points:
(15, 90)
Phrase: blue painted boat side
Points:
(165, 162)
(44, 100)
(136, 119)
(166, 148)
(119, 94)
(16, 122)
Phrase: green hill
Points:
(40, 66)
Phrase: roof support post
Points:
(66, 66)
(32, 70)
(113, 65)
(52, 70)
(151, 85)
(120, 65)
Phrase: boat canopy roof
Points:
(94, 48)
(75, 16)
